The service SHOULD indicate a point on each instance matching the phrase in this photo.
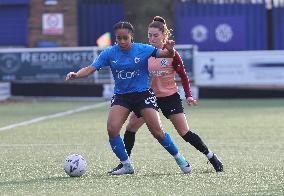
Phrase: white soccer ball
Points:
(75, 165)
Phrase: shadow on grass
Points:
(34, 180)
(60, 179)
(57, 179)
(207, 171)
(151, 174)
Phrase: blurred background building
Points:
(40, 28)
(212, 25)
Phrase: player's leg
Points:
(172, 109)
(179, 122)
(134, 123)
(181, 125)
(154, 125)
(132, 127)
(117, 116)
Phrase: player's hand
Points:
(169, 45)
(71, 76)
(191, 101)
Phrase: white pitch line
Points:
(44, 145)
(60, 114)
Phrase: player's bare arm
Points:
(84, 72)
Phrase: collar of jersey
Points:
(125, 51)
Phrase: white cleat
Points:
(186, 169)
(183, 165)
(127, 168)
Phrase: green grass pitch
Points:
(247, 135)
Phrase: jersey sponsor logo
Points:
(114, 61)
(164, 63)
(124, 74)
(136, 60)
(158, 73)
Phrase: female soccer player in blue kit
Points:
(163, 83)
(129, 65)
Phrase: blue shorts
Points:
(136, 101)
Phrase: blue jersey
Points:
(129, 68)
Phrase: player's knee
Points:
(112, 130)
(131, 128)
(159, 135)
(182, 132)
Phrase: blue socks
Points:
(169, 145)
(118, 148)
